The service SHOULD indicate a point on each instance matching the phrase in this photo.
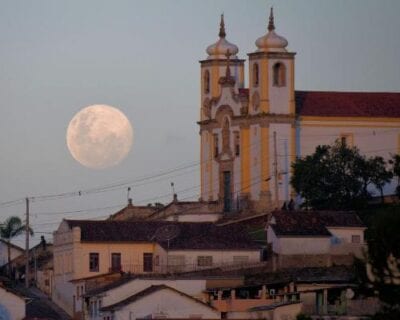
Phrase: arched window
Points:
(255, 75)
(206, 81)
(279, 75)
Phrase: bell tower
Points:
(216, 134)
(272, 97)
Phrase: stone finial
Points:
(271, 24)
(222, 33)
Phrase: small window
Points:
(216, 145)
(115, 261)
(255, 75)
(206, 81)
(77, 293)
(346, 139)
(204, 261)
(279, 75)
(93, 262)
(147, 262)
(240, 259)
(237, 143)
(355, 238)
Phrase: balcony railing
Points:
(181, 268)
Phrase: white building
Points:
(251, 135)
(304, 237)
(159, 301)
(12, 305)
(84, 248)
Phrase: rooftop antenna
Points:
(128, 195)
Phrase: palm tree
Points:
(11, 228)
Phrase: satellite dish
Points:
(349, 293)
(167, 233)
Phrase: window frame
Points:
(204, 261)
(94, 262)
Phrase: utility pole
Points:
(27, 244)
(276, 174)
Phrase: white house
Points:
(315, 237)
(12, 305)
(159, 301)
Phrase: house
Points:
(12, 304)
(317, 291)
(40, 259)
(84, 248)
(15, 252)
(121, 289)
(159, 301)
(315, 238)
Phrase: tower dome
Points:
(220, 49)
(271, 42)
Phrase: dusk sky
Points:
(142, 57)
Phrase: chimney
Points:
(175, 197)
(130, 202)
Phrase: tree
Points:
(338, 177)
(395, 161)
(380, 272)
(11, 228)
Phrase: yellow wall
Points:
(131, 257)
(264, 158)
(245, 160)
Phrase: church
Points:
(250, 135)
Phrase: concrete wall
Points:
(11, 305)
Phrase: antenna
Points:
(128, 194)
(173, 188)
(166, 233)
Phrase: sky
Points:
(57, 57)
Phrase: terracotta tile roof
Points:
(146, 292)
(312, 223)
(348, 104)
(181, 235)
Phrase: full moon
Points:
(99, 136)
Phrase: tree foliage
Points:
(338, 177)
(11, 228)
(380, 272)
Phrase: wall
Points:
(219, 257)
(298, 245)
(11, 305)
(372, 137)
(344, 234)
(4, 253)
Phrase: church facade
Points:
(251, 135)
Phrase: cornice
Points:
(272, 55)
